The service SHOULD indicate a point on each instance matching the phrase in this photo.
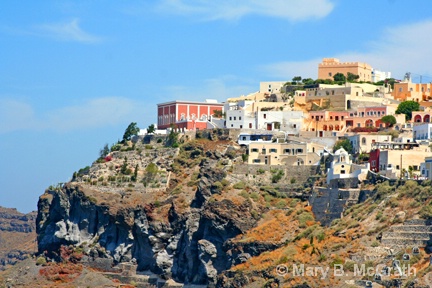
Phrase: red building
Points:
(186, 115)
(374, 156)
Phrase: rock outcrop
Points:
(17, 236)
(188, 245)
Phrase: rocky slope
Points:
(17, 236)
(191, 216)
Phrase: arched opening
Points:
(337, 128)
(331, 127)
(418, 119)
(426, 118)
(325, 127)
(369, 123)
(348, 104)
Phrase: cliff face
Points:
(17, 236)
(174, 239)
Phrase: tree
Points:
(297, 79)
(135, 175)
(339, 77)
(130, 131)
(346, 144)
(389, 120)
(407, 107)
(217, 113)
(104, 151)
(124, 168)
(151, 128)
(307, 81)
(352, 77)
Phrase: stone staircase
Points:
(414, 232)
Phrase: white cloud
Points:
(15, 115)
(215, 88)
(234, 10)
(69, 31)
(399, 50)
(94, 113)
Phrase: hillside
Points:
(197, 214)
(17, 236)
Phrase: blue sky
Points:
(74, 74)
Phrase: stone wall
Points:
(301, 174)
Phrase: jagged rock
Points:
(207, 253)
(400, 216)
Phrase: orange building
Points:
(408, 91)
(186, 115)
(331, 66)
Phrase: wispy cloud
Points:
(400, 49)
(94, 113)
(234, 10)
(219, 88)
(66, 31)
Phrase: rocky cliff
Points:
(17, 236)
(180, 234)
(197, 214)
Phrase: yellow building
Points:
(331, 66)
(294, 153)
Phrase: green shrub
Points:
(260, 171)
(254, 196)
(303, 218)
(41, 260)
(280, 204)
(277, 176)
(239, 185)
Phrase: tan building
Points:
(391, 162)
(331, 66)
(294, 153)
(405, 91)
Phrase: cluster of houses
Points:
(289, 124)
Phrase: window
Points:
(287, 151)
(331, 117)
(230, 118)
(273, 150)
(235, 118)
(264, 116)
(250, 125)
(241, 126)
(330, 74)
(363, 141)
(239, 117)
(337, 118)
(342, 117)
(254, 150)
(299, 150)
(232, 125)
(397, 167)
(256, 161)
(294, 125)
(263, 151)
(400, 89)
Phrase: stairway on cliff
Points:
(414, 232)
(328, 204)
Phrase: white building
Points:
(271, 87)
(362, 142)
(287, 121)
(422, 131)
(343, 168)
(379, 75)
